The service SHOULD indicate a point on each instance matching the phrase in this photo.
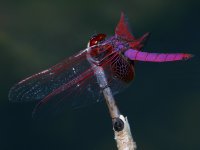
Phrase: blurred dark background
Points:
(162, 104)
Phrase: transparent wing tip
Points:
(11, 95)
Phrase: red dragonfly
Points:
(72, 82)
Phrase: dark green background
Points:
(162, 104)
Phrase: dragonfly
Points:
(72, 82)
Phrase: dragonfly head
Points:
(98, 48)
(96, 39)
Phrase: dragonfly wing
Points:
(38, 86)
(119, 73)
(123, 29)
(82, 91)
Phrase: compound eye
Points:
(96, 39)
(93, 41)
(101, 37)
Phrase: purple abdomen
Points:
(155, 57)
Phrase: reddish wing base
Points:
(122, 29)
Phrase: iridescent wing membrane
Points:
(67, 80)
(38, 86)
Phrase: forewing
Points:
(38, 86)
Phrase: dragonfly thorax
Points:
(119, 44)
